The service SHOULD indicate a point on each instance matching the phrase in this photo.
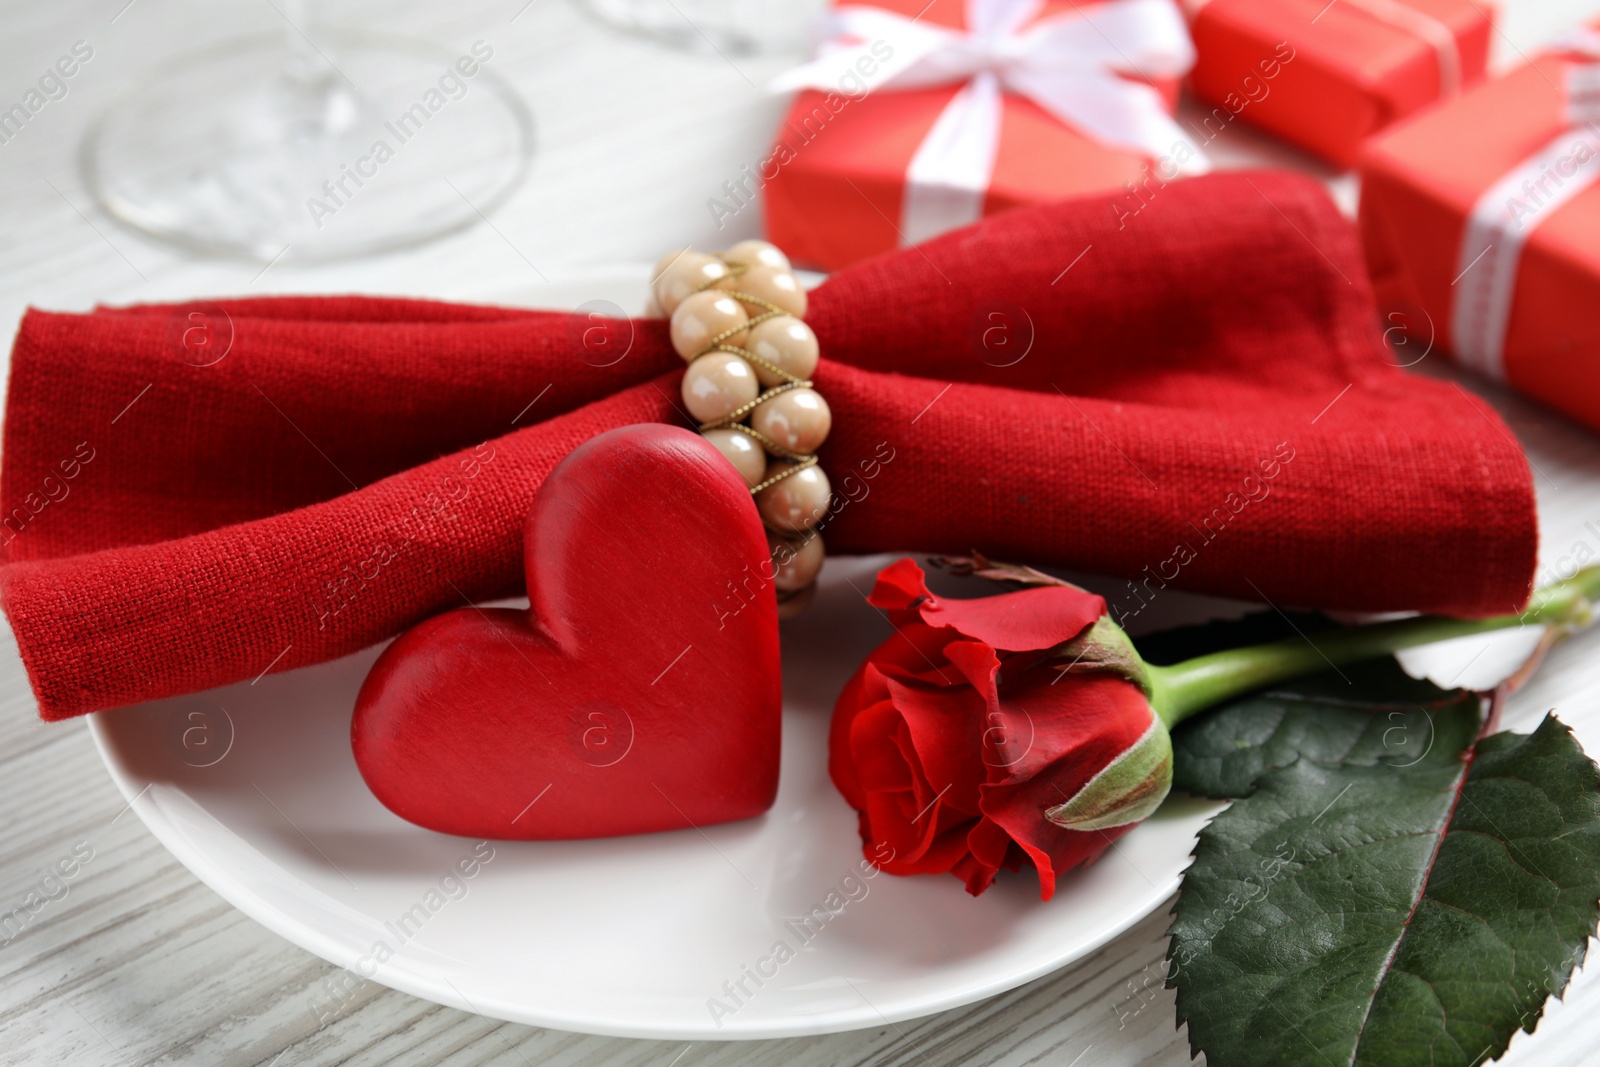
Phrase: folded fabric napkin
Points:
(1197, 396)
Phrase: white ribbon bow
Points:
(1506, 215)
(1070, 64)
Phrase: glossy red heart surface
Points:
(639, 692)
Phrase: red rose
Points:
(991, 732)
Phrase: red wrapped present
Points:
(1482, 219)
(919, 117)
(1326, 76)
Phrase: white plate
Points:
(254, 789)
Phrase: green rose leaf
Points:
(1389, 916)
(1367, 714)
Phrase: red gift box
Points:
(837, 183)
(1326, 76)
(1481, 222)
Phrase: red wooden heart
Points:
(639, 692)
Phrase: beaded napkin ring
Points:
(738, 320)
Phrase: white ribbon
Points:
(1070, 64)
(1505, 216)
(1583, 79)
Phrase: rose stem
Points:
(1183, 689)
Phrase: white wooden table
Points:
(139, 963)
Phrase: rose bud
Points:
(995, 732)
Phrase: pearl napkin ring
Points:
(738, 319)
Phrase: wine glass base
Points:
(730, 27)
(368, 144)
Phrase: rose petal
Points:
(991, 848)
(1075, 727)
(1007, 735)
(877, 760)
(922, 793)
(1008, 740)
(945, 726)
(899, 587)
(888, 823)
(841, 761)
(946, 847)
(977, 874)
(989, 842)
(1078, 732)
(932, 842)
(1023, 621)
(914, 652)
(1094, 717)
(979, 666)
(1052, 850)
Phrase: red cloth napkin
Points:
(353, 465)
